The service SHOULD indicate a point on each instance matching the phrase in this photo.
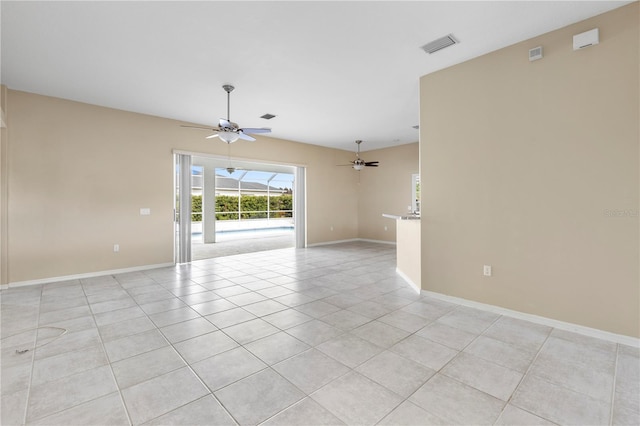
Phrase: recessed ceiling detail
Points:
(439, 44)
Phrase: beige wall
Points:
(386, 189)
(4, 190)
(79, 174)
(523, 164)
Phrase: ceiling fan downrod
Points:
(228, 88)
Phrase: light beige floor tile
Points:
(228, 367)
(408, 414)
(558, 404)
(345, 320)
(404, 320)
(276, 347)
(107, 410)
(314, 332)
(297, 370)
(125, 328)
(501, 353)
(258, 397)
(457, 403)
(249, 331)
(205, 411)
(519, 333)
(134, 345)
(287, 319)
(205, 346)
(69, 391)
(349, 349)
(265, 307)
(430, 354)
(111, 317)
(59, 366)
(380, 334)
(354, 399)
(13, 407)
(162, 319)
(187, 329)
(305, 412)
(137, 369)
(495, 380)
(515, 416)
(451, 337)
(469, 319)
(155, 397)
(399, 374)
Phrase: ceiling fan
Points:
(229, 131)
(359, 163)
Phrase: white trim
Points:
(408, 280)
(350, 240)
(561, 325)
(87, 275)
(393, 243)
(235, 158)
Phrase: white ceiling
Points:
(331, 71)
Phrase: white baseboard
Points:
(415, 286)
(81, 276)
(561, 325)
(350, 240)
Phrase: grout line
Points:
(106, 355)
(526, 373)
(33, 359)
(613, 388)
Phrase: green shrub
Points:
(251, 206)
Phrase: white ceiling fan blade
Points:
(256, 130)
(241, 135)
(215, 135)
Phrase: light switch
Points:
(145, 212)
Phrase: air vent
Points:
(535, 53)
(439, 44)
(267, 116)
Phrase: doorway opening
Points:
(249, 207)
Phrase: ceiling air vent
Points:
(439, 44)
(267, 116)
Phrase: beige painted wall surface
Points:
(532, 167)
(4, 191)
(385, 189)
(79, 175)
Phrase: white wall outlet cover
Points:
(486, 270)
(145, 212)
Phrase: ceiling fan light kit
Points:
(229, 131)
(359, 164)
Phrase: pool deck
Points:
(232, 243)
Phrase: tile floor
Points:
(322, 336)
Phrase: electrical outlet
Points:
(116, 248)
(331, 228)
(145, 211)
(486, 270)
(386, 228)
